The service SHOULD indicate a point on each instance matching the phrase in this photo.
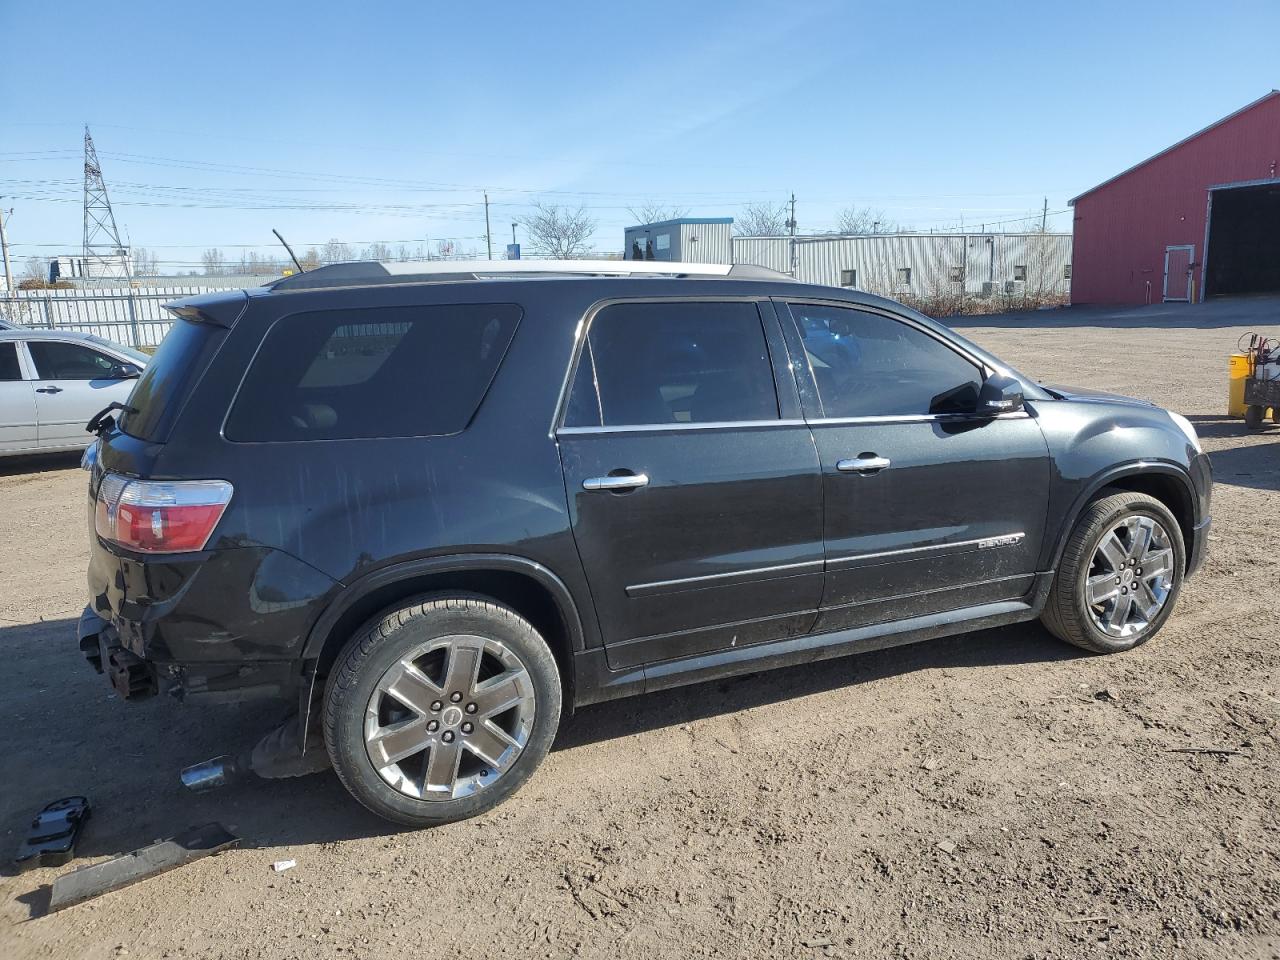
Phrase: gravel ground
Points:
(997, 795)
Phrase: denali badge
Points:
(1007, 540)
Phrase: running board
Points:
(598, 683)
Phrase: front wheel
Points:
(1119, 576)
(441, 709)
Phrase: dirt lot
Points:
(997, 795)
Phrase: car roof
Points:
(28, 333)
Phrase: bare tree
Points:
(444, 250)
(402, 252)
(377, 251)
(145, 264)
(214, 262)
(335, 251)
(37, 268)
(858, 221)
(311, 259)
(761, 220)
(650, 212)
(559, 232)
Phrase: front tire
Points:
(1253, 416)
(1120, 574)
(439, 710)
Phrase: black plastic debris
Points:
(99, 878)
(51, 838)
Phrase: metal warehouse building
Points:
(898, 264)
(1199, 219)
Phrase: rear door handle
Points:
(628, 481)
(863, 465)
(48, 389)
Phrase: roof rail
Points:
(362, 272)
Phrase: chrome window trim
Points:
(584, 325)
(659, 586)
(918, 418)
(1001, 540)
(680, 427)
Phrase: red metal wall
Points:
(1121, 229)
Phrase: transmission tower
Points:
(104, 254)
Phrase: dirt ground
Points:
(997, 795)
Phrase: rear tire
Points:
(441, 709)
(1105, 555)
(1253, 417)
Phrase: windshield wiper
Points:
(103, 419)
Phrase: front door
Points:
(72, 383)
(928, 508)
(696, 505)
(1177, 272)
(17, 403)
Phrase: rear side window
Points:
(69, 361)
(665, 363)
(378, 372)
(9, 369)
(162, 389)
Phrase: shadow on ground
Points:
(1256, 312)
(68, 733)
(37, 463)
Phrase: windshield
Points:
(166, 382)
(137, 356)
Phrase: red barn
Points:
(1201, 218)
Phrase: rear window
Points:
(378, 372)
(168, 378)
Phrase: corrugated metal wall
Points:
(920, 265)
(706, 242)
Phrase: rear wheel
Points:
(1120, 574)
(441, 709)
(1253, 417)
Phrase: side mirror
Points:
(1000, 393)
(125, 371)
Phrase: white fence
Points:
(134, 316)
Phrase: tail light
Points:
(159, 516)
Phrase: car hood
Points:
(1096, 396)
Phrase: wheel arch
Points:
(1166, 482)
(526, 586)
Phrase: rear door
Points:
(73, 381)
(17, 402)
(928, 507)
(693, 482)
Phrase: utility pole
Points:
(4, 245)
(1044, 216)
(791, 224)
(488, 236)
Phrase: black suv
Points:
(435, 509)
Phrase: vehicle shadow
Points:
(126, 756)
(38, 463)
(1255, 465)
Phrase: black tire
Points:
(1275, 414)
(380, 645)
(1066, 613)
(1253, 417)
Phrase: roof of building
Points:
(680, 220)
(1199, 133)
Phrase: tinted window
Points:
(9, 362)
(69, 361)
(867, 365)
(386, 372)
(654, 363)
(169, 376)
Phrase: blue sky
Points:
(384, 122)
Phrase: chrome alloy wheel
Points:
(1130, 576)
(449, 717)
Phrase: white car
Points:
(53, 381)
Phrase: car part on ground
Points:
(278, 755)
(150, 861)
(51, 837)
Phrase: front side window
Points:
(69, 361)
(672, 363)
(377, 372)
(9, 369)
(869, 365)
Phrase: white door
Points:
(72, 383)
(17, 403)
(1177, 272)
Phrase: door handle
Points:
(864, 465)
(628, 481)
(48, 389)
